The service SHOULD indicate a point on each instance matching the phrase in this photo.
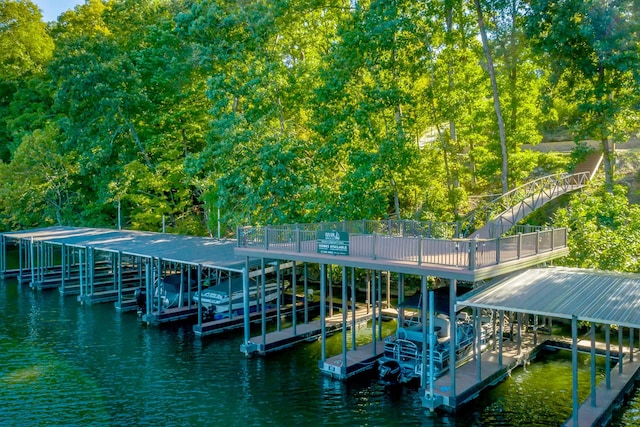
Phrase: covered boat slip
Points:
(108, 265)
(402, 247)
(575, 295)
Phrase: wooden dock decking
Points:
(362, 359)
(468, 387)
(279, 340)
(214, 327)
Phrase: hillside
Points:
(627, 161)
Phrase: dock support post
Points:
(294, 300)
(344, 317)
(453, 334)
(631, 334)
(593, 364)
(368, 297)
(607, 361)
(278, 295)
(388, 289)
(200, 299)
(80, 271)
(245, 291)
(323, 313)
(432, 337)
(148, 277)
(91, 265)
(620, 336)
(63, 261)
(353, 309)
(519, 316)
(3, 255)
(33, 267)
(306, 294)
(478, 339)
(426, 337)
(330, 279)
(373, 311)
(574, 368)
(500, 337)
(264, 314)
(380, 305)
(118, 265)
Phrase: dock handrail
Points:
(452, 252)
(499, 215)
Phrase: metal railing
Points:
(398, 244)
(504, 212)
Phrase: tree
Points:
(258, 165)
(593, 50)
(604, 230)
(496, 99)
(39, 185)
(25, 49)
(134, 107)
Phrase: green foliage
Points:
(39, 185)
(593, 48)
(194, 113)
(604, 230)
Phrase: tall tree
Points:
(259, 165)
(593, 48)
(496, 98)
(25, 49)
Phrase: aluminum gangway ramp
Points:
(503, 213)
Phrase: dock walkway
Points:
(279, 340)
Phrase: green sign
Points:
(333, 242)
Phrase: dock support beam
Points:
(593, 364)
(607, 361)
(374, 303)
(323, 313)
(263, 304)
(246, 319)
(294, 317)
(344, 316)
(452, 333)
(620, 358)
(500, 337)
(306, 294)
(426, 337)
(354, 346)
(574, 368)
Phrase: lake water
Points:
(62, 363)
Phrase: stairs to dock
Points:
(502, 213)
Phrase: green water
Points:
(66, 364)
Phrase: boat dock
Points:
(101, 265)
(218, 326)
(279, 340)
(353, 362)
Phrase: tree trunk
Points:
(496, 98)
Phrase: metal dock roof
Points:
(170, 247)
(590, 295)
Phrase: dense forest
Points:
(199, 112)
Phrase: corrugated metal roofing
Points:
(591, 295)
(172, 247)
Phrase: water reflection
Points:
(63, 363)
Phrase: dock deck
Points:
(218, 326)
(279, 340)
(361, 359)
